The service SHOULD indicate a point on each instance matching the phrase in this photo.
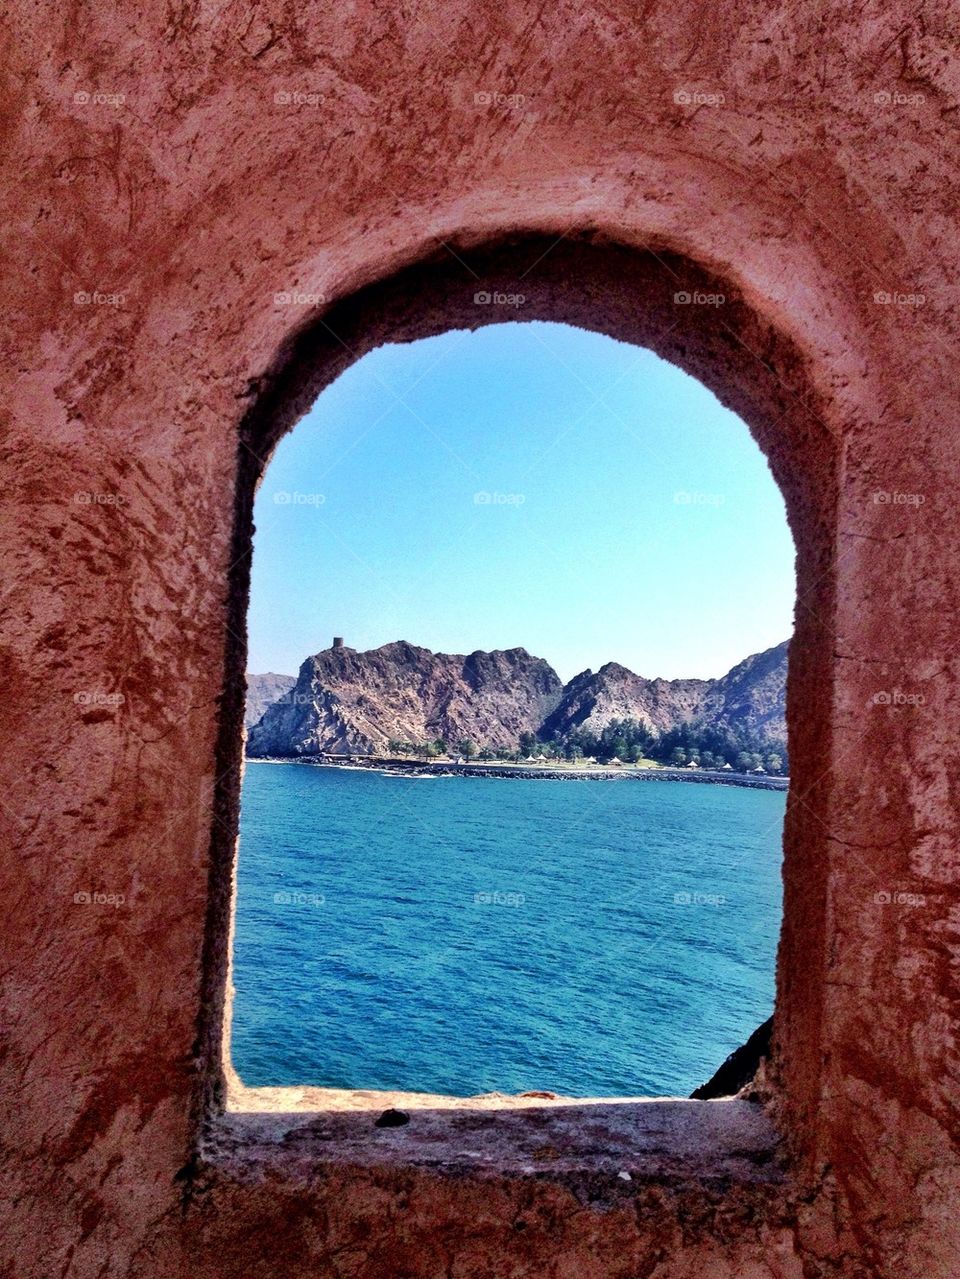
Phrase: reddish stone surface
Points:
(169, 171)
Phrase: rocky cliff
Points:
(263, 691)
(751, 699)
(752, 696)
(591, 700)
(345, 702)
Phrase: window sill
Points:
(609, 1148)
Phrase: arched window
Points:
(568, 563)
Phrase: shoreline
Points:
(526, 772)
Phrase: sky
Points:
(526, 485)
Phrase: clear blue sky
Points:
(630, 517)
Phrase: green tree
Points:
(467, 748)
(678, 756)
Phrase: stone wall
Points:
(211, 210)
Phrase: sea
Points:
(465, 935)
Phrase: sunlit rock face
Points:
(346, 702)
(350, 703)
(751, 697)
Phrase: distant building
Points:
(338, 641)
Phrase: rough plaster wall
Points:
(191, 203)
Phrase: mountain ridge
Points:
(345, 702)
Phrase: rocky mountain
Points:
(753, 695)
(263, 691)
(750, 698)
(590, 701)
(345, 702)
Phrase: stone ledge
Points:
(616, 1146)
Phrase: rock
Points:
(751, 698)
(349, 703)
(590, 701)
(739, 1068)
(392, 1119)
(263, 691)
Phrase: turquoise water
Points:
(464, 935)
